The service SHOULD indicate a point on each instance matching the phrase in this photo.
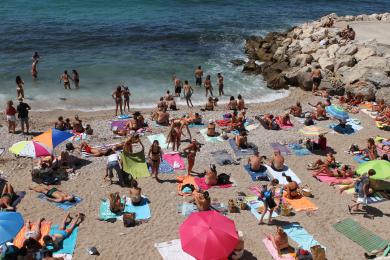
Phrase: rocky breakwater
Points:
(286, 59)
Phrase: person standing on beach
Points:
(188, 91)
(126, 96)
(316, 77)
(198, 76)
(208, 86)
(155, 158)
(117, 96)
(75, 78)
(66, 79)
(10, 112)
(23, 109)
(19, 87)
(177, 85)
(191, 151)
(220, 84)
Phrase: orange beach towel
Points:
(45, 229)
(183, 180)
(300, 204)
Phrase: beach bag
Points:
(318, 253)
(223, 179)
(129, 220)
(114, 206)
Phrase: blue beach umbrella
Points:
(337, 112)
(53, 137)
(10, 224)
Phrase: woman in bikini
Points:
(211, 176)
(268, 194)
(155, 158)
(191, 151)
(97, 152)
(174, 135)
(33, 231)
(324, 167)
(66, 79)
(117, 96)
(126, 97)
(19, 87)
(7, 198)
(291, 188)
(208, 86)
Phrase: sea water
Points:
(141, 44)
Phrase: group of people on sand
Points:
(122, 99)
(75, 126)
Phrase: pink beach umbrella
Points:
(30, 149)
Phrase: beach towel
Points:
(274, 252)
(347, 130)
(299, 150)
(195, 125)
(360, 235)
(118, 124)
(281, 125)
(369, 113)
(240, 152)
(254, 205)
(251, 127)
(64, 205)
(373, 198)
(256, 176)
(382, 126)
(64, 256)
(124, 116)
(187, 209)
(77, 137)
(135, 164)
(222, 157)
(272, 174)
(300, 204)
(68, 245)
(164, 167)
(359, 158)
(142, 211)
(183, 180)
(201, 183)
(331, 180)
(172, 250)
(175, 160)
(212, 139)
(2, 150)
(297, 233)
(223, 122)
(19, 239)
(280, 147)
(162, 140)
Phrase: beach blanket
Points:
(240, 152)
(359, 158)
(64, 205)
(187, 209)
(223, 122)
(256, 176)
(135, 164)
(162, 140)
(369, 113)
(19, 239)
(175, 160)
(212, 139)
(183, 180)
(281, 148)
(300, 204)
(124, 116)
(281, 125)
(118, 124)
(200, 182)
(142, 211)
(77, 136)
(274, 252)
(254, 205)
(195, 125)
(299, 150)
(297, 233)
(350, 128)
(360, 235)
(222, 157)
(164, 167)
(172, 250)
(331, 180)
(68, 245)
(272, 174)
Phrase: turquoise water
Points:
(141, 44)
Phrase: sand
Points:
(116, 242)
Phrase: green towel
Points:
(135, 164)
(360, 235)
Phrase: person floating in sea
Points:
(117, 96)
(66, 79)
(198, 76)
(220, 84)
(208, 86)
(126, 98)
(75, 78)
(188, 91)
(19, 87)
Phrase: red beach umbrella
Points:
(208, 235)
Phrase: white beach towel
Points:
(272, 174)
(172, 250)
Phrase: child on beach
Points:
(363, 191)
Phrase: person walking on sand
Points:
(66, 79)
(220, 84)
(126, 98)
(75, 78)
(19, 87)
(188, 91)
(23, 109)
(198, 76)
(155, 158)
(191, 151)
(208, 86)
(117, 96)
(316, 77)
(268, 194)
(363, 187)
(10, 112)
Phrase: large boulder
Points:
(349, 49)
(301, 60)
(251, 67)
(319, 53)
(385, 17)
(332, 49)
(367, 89)
(307, 31)
(272, 73)
(344, 61)
(280, 53)
(320, 34)
(364, 52)
(383, 93)
(310, 48)
(293, 48)
(326, 63)
(375, 62)
(305, 41)
(305, 81)
(377, 77)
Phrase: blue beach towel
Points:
(257, 176)
(299, 150)
(142, 212)
(68, 245)
(360, 159)
(195, 125)
(64, 205)
(164, 167)
(300, 236)
(240, 152)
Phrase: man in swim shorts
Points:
(53, 194)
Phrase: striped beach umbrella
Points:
(30, 149)
(312, 130)
(53, 137)
(337, 112)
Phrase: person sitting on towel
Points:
(135, 193)
(211, 176)
(161, 117)
(370, 152)
(202, 200)
(53, 194)
(8, 197)
(234, 122)
(277, 162)
(319, 145)
(242, 140)
(291, 188)
(211, 129)
(285, 119)
(279, 240)
(296, 110)
(270, 122)
(255, 162)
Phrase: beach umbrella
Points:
(312, 130)
(53, 137)
(208, 235)
(10, 225)
(337, 112)
(381, 167)
(31, 149)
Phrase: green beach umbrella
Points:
(381, 167)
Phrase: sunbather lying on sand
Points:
(256, 163)
(380, 106)
(33, 231)
(279, 240)
(53, 194)
(284, 120)
(98, 152)
(320, 113)
(277, 162)
(8, 196)
(324, 166)
(296, 110)
(211, 175)
(269, 120)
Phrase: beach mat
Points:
(118, 124)
(274, 252)
(175, 160)
(212, 139)
(297, 233)
(64, 205)
(360, 235)
(281, 148)
(164, 167)
(201, 183)
(187, 209)
(68, 245)
(272, 174)
(254, 205)
(360, 159)
(19, 239)
(331, 180)
(172, 250)
(162, 140)
(142, 211)
(256, 176)
(349, 129)
(300, 204)
(299, 150)
(183, 180)
(195, 125)
(222, 157)
(135, 164)
(240, 152)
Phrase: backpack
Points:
(223, 179)
(116, 207)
